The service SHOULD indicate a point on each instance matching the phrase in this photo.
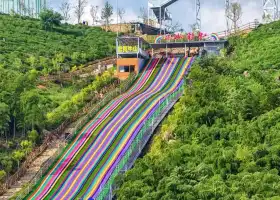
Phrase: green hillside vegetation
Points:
(222, 139)
(24, 45)
(27, 105)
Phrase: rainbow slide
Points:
(87, 163)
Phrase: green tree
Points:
(106, 14)
(33, 136)
(50, 18)
(18, 156)
(26, 146)
(2, 175)
(7, 164)
(4, 119)
(34, 106)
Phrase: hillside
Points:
(222, 139)
(27, 105)
(24, 45)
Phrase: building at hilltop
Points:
(134, 52)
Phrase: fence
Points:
(10, 180)
(241, 29)
(78, 127)
(89, 67)
(135, 149)
(222, 34)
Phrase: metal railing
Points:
(222, 34)
(135, 149)
(241, 29)
(89, 68)
(44, 168)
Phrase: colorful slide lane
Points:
(89, 160)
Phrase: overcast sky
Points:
(183, 11)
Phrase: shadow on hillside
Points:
(76, 33)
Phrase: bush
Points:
(49, 19)
(2, 175)
(33, 136)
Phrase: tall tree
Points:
(175, 27)
(34, 107)
(106, 14)
(65, 8)
(121, 12)
(143, 15)
(4, 119)
(93, 13)
(234, 13)
(80, 9)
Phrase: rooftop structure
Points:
(131, 55)
(159, 8)
(132, 47)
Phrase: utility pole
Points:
(117, 2)
(160, 20)
(148, 13)
(270, 10)
(198, 14)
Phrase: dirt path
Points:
(37, 164)
(31, 172)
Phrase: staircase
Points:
(31, 172)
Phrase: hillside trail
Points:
(35, 167)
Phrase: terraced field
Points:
(89, 160)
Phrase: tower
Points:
(270, 10)
(197, 14)
(159, 8)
